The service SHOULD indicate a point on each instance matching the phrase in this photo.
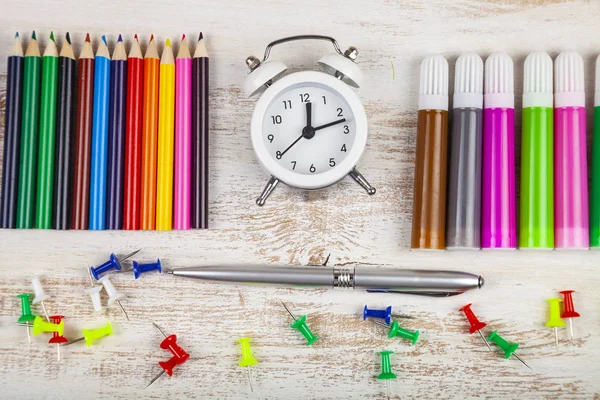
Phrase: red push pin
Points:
(56, 338)
(476, 325)
(179, 355)
(569, 310)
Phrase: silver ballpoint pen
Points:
(380, 280)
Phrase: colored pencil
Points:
(12, 131)
(133, 138)
(29, 135)
(199, 188)
(183, 137)
(65, 121)
(149, 138)
(83, 137)
(45, 175)
(100, 137)
(116, 137)
(595, 190)
(166, 114)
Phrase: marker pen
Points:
(537, 150)
(595, 195)
(429, 203)
(498, 204)
(464, 176)
(571, 229)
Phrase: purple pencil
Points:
(498, 216)
(183, 137)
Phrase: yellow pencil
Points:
(166, 126)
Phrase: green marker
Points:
(537, 158)
(508, 348)
(302, 327)
(595, 192)
(45, 174)
(29, 135)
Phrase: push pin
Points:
(554, 320)
(508, 348)
(39, 326)
(57, 338)
(113, 295)
(112, 263)
(300, 325)
(397, 331)
(385, 315)
(26, 315)
(247, 358)
(476, 325)
(569, 310)
(91, 335)
(179, 355)
(386, 370)
(139, 269)
(39, 294)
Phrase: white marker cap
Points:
(537, 82)
(568, 80)
(468, 81)
(433, 87)
(597, 101)
(499, 82)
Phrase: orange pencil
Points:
(149, 138)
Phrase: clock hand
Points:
(292, 145)
(339, 121)
(309, 114)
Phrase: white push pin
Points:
(113, 294)
(94, 293)
(40, 295)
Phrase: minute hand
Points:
(339, 121)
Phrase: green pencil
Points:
(45, 174)
(29, 135)
(595, 192)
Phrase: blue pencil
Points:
(99, 137)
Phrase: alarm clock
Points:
(309, 128)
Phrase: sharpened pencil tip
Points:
(16, 34)
(200, 37)
(104, 39)
(68, 38)
(120, 39)
(135, 37)
(168, 43)
(152, 37)
(183, 37)
(52, 36)
(33, 36)
(87, 37)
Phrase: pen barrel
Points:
(595, 195)
(498, 199)
(429, 206)
(536, 221)
(464, 180)
(571, 229)
(406, 280)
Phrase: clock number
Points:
(287, 104)
(340, 111)
(304, 97)
(343, 148)
(324, 99)
(276, 119)
(312, 168)
(331, 162)
(346, 129)
(271, 137)
(294, 167)
(278, 155)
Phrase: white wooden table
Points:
(303, 228)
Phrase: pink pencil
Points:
(183, 137)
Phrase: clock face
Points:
(308, 128)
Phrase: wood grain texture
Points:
(305, 227)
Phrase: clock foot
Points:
(267, 191)
(357, 176)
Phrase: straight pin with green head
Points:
(301, 326)
(386, 370)
(396, 331)
(247, 358)
(508, 348)
(554, 321)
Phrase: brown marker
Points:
(429, 203)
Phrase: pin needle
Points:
(133, 253)
(155, 378)
(160, 330)
(289, 312)
(523, 361)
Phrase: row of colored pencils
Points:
(106, 142)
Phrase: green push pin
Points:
(555, 321)
(300, 325)
(508, 348)
(397, 331)
(247, 358)
(26, 315)
(386, 370)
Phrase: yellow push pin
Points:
(555, 321)
(91, 335)
(39, 326)
(247, 358)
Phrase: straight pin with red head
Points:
(569, 310)
(476, 324)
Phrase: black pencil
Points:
(65, 123)
(12, 131)
(199, 189)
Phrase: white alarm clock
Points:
(309, 128)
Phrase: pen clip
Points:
(429, 294)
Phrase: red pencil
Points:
(133, 141)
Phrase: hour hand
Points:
(308, 114)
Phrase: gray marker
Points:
(464, 174)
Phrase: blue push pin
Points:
(139, 269)
(112, 263)
(385, 315)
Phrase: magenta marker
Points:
(571, 224)
(498, 204)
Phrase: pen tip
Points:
(87, 37)
(104, 39)
(68, 38)
(52, 36)
(200, 37)
(481, 282)
(33, 36)
(120, 39)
